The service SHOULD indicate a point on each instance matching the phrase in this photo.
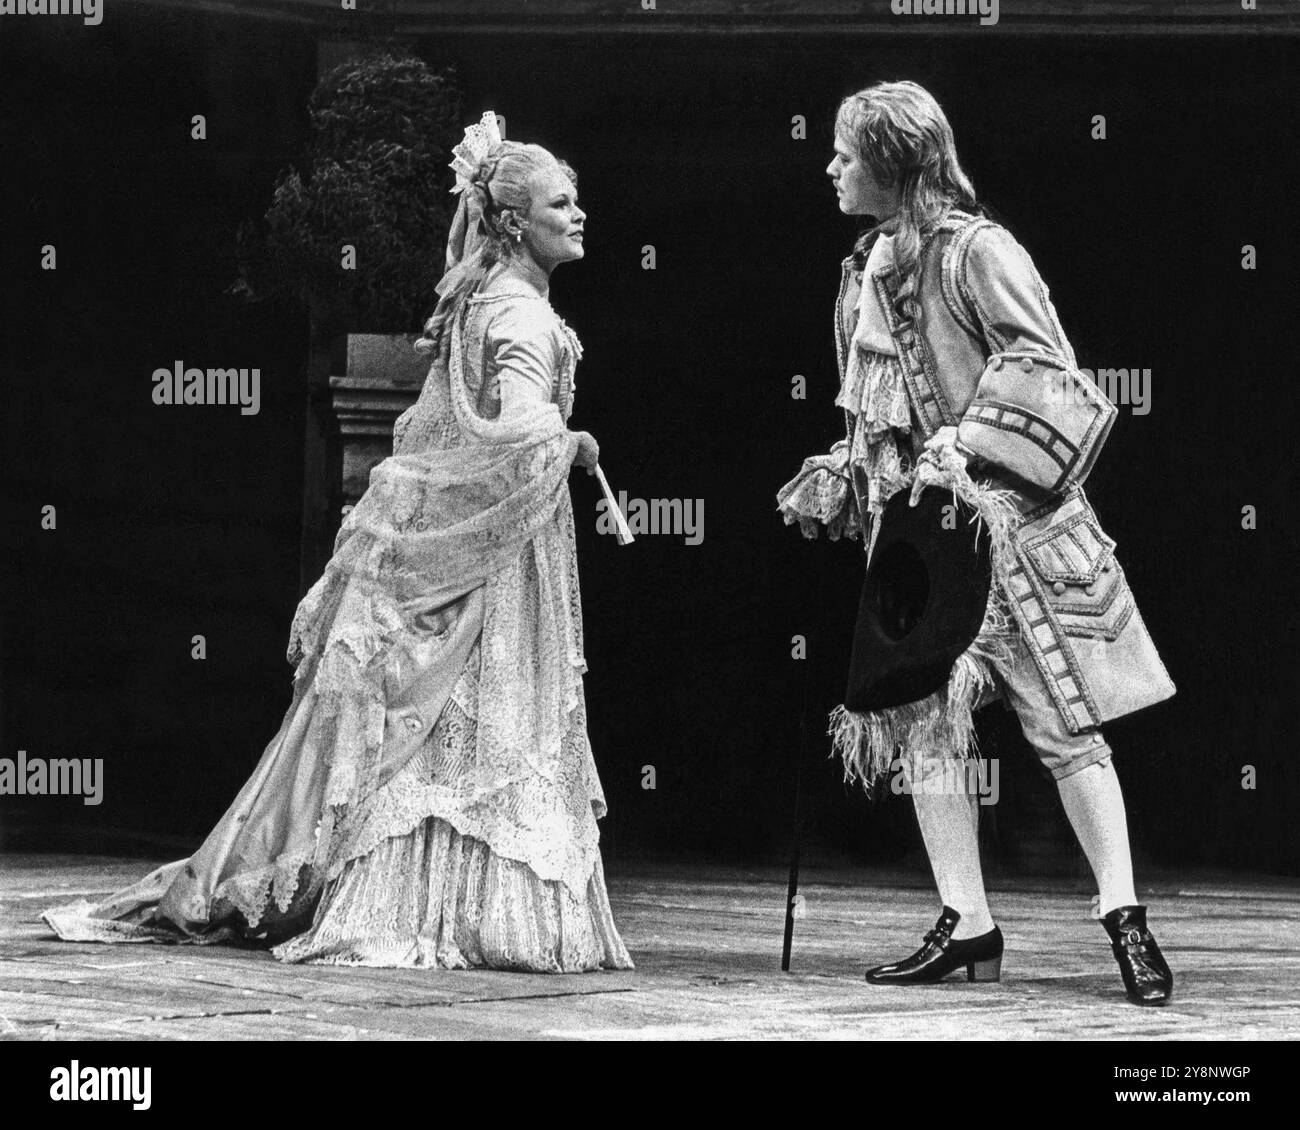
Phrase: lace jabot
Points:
(874, 392)
(878, 415)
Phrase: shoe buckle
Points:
(1134, 937)
(938, 937)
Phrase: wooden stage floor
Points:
(707, 943)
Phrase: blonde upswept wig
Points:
(497, 202)
(902, 135)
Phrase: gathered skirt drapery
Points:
(430, 797)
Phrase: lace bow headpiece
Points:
(480, 139)
(465, 237)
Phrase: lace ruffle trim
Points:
(436, 898)
(819, 496)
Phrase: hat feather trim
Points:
(873, 745)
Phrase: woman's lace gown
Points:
(431, 798)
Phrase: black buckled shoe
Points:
(1146, 974)
(939, 955)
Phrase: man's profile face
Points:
(858, 191)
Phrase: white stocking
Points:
(1095, 805)
(950, 825)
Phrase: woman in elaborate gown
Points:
(431, 799)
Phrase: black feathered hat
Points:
(923, 601)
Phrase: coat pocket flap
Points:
(1075, 551)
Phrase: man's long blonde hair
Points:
(902, 135)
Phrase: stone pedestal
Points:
(383, 378)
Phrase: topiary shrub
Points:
(375, 177)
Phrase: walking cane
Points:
(792, 888)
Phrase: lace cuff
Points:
(821, 494)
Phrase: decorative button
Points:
(997, 362)
(1091, 590)
(1097, 739)
(1027, 365)
(1106, 568)
(413, 723)
(1059, 588)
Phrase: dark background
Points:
(175, 521)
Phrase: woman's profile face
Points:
(859, 193)
(553, 228)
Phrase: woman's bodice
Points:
(517, 354)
